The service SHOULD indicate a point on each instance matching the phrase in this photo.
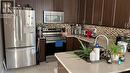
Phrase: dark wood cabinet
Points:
(47, 5)
(112, 13)
(41, 47)
(69, 43)
(122, 13)
(70, 11)
(76, 44)
(72, 44)
(88, 11)
(116, 13)
(97, 12)
(58, 5)
(108, 13)
(81, 11)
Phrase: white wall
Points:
(1, 46)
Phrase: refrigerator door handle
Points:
(21, 25)
(17, 26)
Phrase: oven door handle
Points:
(53, 41)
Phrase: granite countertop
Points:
(73, 64)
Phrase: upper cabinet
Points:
(122, 13)
(69, 7)
(58, 5)
(97, 11)
(81, 11)
(112, 13)
(88, 11)
(70, 11)
(108, 12)
(47, 5)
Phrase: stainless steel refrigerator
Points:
(19, 36)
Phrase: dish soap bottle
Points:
(97, 52)
(92, 56)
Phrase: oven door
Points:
(51, 47)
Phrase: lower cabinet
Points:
(72, 44)
(41, 44)
(61, 69)
(69, 44)
(76, 44)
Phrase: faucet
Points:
(107, 41)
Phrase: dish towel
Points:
(59, 43)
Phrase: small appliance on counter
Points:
(88, 34)
(91, 33)
(76, 29)
(119, 38)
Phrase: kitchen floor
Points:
(42, 68)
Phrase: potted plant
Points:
(115, 50)
(84, 53)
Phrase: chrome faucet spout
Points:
(107, 40)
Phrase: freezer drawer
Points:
(20, 57)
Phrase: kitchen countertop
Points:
(73, 64)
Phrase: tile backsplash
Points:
(53, 25)
(109, 31)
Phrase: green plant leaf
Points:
(115, 49)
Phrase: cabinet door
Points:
(108, 12)
(76, 44)
(97, 12)
(42, 46)
(48, 5)
(88, 11)
(69, 44)
(58, 5)
(122, 13)
(81, 11)
(70, 11)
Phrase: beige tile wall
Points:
(109, 31)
